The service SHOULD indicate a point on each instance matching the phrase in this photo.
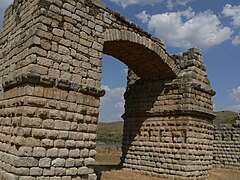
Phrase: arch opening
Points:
(110, 123)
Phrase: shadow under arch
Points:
(146, 57)
(151, 65)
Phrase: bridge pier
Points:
(168, 129)
(50, 72)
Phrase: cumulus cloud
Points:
(119, 105)
(143, 16)
(235, 94)
(172, 3)
(236, 40)
(233, 12)
(169, 3)
(113, 93)
(125, 3)
(184, 29)
(112, 104)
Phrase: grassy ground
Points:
(107, 160)
(107, 169)
(110, 132)
(113, 131)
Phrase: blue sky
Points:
(213, 26)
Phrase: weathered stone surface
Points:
(44, 162)
(226, 145)
(50, 73)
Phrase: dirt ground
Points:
(107, 169)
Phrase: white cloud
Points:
(235, 94)
(116, 93)
(172, 3)
(235, 97)
(125, 3)
(119, 105)
(233, 12)
(236, 40)
(112, 104)
(125, 72)
(187, 28)
(143, 16)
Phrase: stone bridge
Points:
(50, 73)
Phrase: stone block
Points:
(48, 124)
(59, 143)
(89, 161)
(48, 171)
(26, 162)
(36, 171)
(62, 125)
(58, 162)
(63, 50)
(38, 133)
(70, 162)
(45, 162)
(72, 171)
(63, 153)
(74, 153)
(70, 144)
(60, 171)
(25, 151)
(53, 152)
(20, 171)
(58, 32)
(48, 143)
(82, 170)
(39, 152)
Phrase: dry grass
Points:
(225, 117)
(107, 169)
(125, 175)
(107, 156)
(224, 174)
(111, 127)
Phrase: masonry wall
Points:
(171, 134)
(50, 72)
(50, 91)
(169, 147)
(226, 152)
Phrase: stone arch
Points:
(50, 90)
(145, 56)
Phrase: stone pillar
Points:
(50, 90)
(50, 72)
(168, 129)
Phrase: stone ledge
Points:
(65, 84)
(98, 3)
(194, 113)
(199, 87)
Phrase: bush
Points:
(109, 137)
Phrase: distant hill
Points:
(225, 117)
(112, 131)
(114, 127)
